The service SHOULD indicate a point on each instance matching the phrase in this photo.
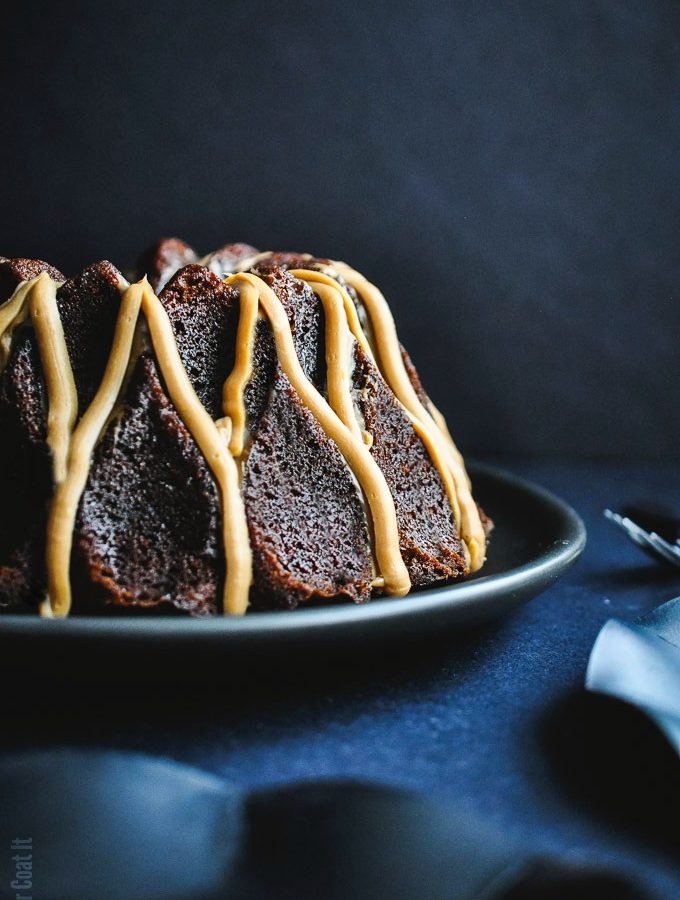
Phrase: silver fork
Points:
(649, 541)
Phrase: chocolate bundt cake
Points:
(243, 431)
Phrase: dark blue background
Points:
(507, 172)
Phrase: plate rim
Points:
(553, 560)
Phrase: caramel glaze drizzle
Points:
(232, 393)
(428, 424)
(62, 399)
(211, 442)
(348, 441)
(325, 287)
(12, 314)
(64, 505)
(206, 433)
(38, 299)
(339, 343)
(222, 443)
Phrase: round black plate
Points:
(536, 537)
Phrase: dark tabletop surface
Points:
(494, 720)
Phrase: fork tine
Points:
(633, 531)
(638, 534)
(649, 542)
(668, 551)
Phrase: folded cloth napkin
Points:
(104, 824)
(639, 662)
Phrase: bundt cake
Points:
(243, 431)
